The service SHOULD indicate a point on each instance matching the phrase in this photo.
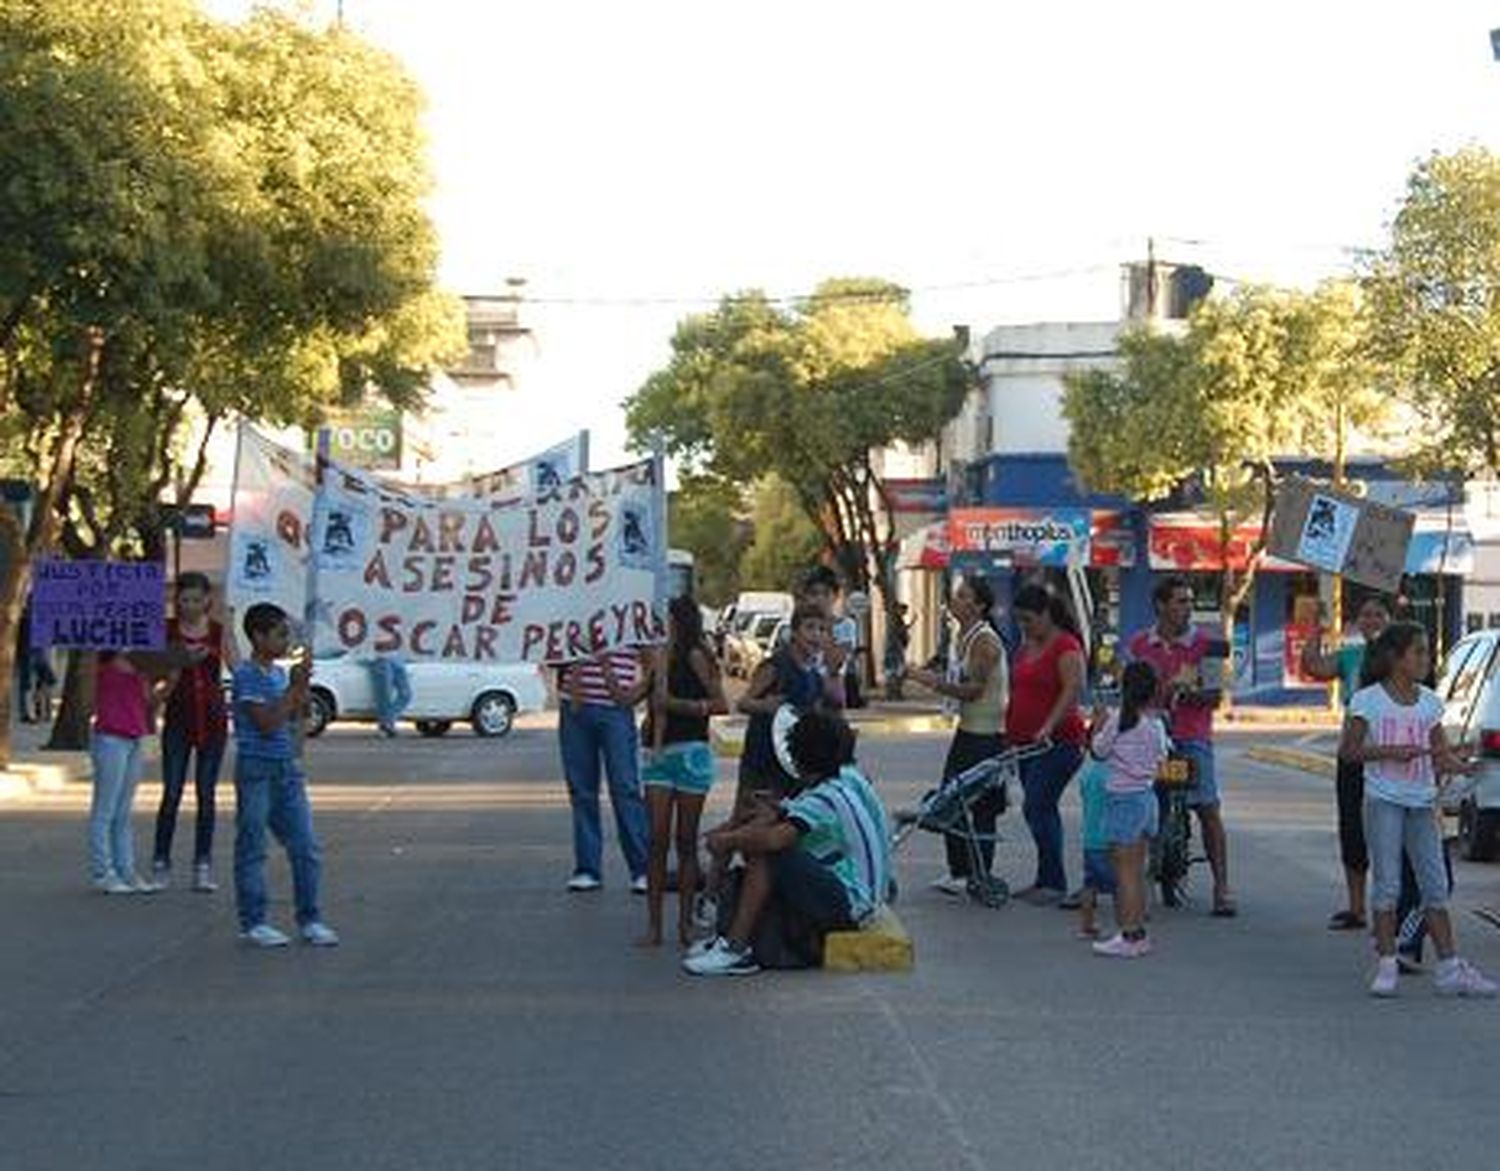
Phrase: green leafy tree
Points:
(705, 517)
(785, 541)
(1435, 299)
(806, 393)
(1262, 374)
(198, 220)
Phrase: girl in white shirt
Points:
(1395, 729)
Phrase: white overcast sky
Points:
(658, 149)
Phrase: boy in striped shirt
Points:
(824, 852)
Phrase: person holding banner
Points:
(597, 726)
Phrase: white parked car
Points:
(1469, 686)
(487, 695)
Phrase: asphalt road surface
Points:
(479, 1017)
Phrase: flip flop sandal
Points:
(1346, 921)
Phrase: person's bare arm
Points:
(1355, 745)
(1447, 759)
(984, 661)
(756, 837)
(1070, 670)
(760, 699)
(708, 674)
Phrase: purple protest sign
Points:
(99, 605)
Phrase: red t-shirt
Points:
(1035, 684)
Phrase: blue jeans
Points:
(175, 753)
(273, 793)
(1043, 779)
(588, 734)
(117, 771)
(391, 683)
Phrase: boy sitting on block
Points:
(823, 853)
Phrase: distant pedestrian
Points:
(897, 639)
(1186, 660)
(679, 766)
(122, 721)
(1046, 681)
(1132, 743)
(1395, 727)
(596, 726)
(269, 784)
(195, 728)
(1347, 665)
(390, 682)
(978, 682)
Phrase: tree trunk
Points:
(70, 728)
(13, 570)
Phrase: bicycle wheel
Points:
(1170, 852)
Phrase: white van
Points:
(740, 615)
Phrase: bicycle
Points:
(1172, 856)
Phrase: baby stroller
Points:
(949, 809)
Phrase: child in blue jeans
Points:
(270, 788)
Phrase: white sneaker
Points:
(1458, 977)
(316, 934)
(161, 875)
(1387, 977)
(203, 879)
(638, 885)
(951, 885)
(1117, 947)
(583, 881)
(145, 886)
(721, 958)
(264, 935)
(113, 884)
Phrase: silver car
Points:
(1469, 686)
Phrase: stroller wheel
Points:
(989, 891)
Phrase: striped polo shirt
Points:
(586, 677)
(843, 826)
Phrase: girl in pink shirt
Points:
(122, 721)
(1132, 743)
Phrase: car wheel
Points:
(1478, 830)
(320, 712)
(494, 713)
(431, 728)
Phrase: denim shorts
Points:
(1205, 788)
(687, 767)
(1099, 871)
(1129, 817)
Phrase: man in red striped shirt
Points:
(597, 726)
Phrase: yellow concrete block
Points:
(883, 946)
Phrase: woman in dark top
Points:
(678, 771)
(1046, 681)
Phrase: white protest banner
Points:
(578, 569)
(275, 491)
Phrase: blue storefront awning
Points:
(1441, 551)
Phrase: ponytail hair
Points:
(1138, 688)
(1038, 599)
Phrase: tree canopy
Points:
(1435, 298)
(806, 392)
(198, 219)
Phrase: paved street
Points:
(478, 1017)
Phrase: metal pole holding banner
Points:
(310, 600)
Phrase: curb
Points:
(730, 741)
(1308, 762)
(24, 778)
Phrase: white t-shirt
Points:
(1412, 783)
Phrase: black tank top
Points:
(683, 683)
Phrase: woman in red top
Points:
(195, 726)
(1046, 681)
